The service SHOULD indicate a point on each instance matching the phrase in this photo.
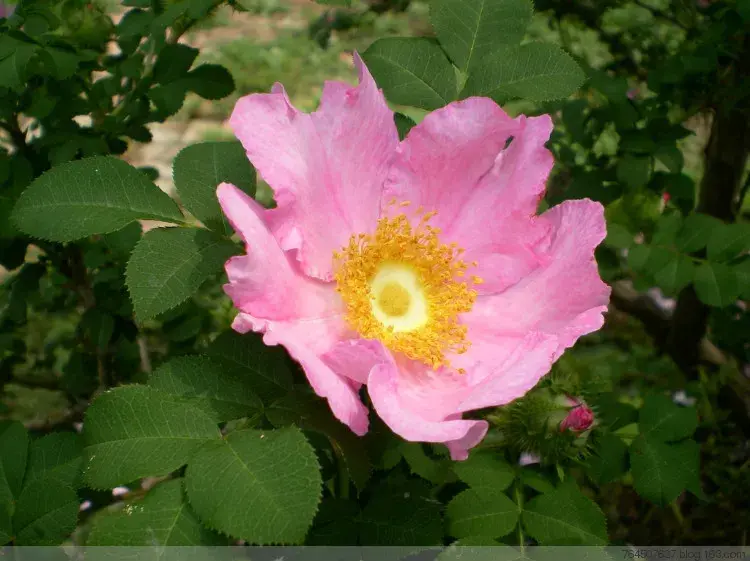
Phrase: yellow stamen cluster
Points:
(438, 270)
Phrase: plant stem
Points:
(518, 492)
(726, 156)
(343, 473)
(677, 513)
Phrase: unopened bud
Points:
(579, 419)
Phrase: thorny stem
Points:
(147, 79)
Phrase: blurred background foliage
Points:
(659, 133)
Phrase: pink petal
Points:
(504, 369)
(326, 168)
(266, 283)
(563, 297)
(455, 162)
(497, 371)
(385, 388)
(275, 298)
(354, 358)
(306, 341)
(443, 158)
(341, 392)
(515, 335)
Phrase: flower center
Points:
(401, 285)
(394, 299)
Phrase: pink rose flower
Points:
(417, 268)
(579, 418)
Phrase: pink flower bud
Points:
(579, 419)
(666, 197)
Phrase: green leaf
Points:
(122, 242)
(662, 419)
(677, 274)
(46, 513)
(265, 369)
(638, 141)
(485, 469)
(210, 81)
(667, 227)
(91, 196)
(661, 471)
(312, 413)
(261, 486)
(14, 443)
(536, 480)
(335, 524)
(56, 456)
(174, 62)
(7, 506)
(220, 393)
(135, 431)
(633, 171)
(162, 518)
(743, 9)
(638, 257)
(534, 71)
(743, 278)
(79, 377)
(696, 231)
(716, 284)
(169, 265)
(134, 23)
(412, 71)
(401, 515)
(611, 459)
(58, 63)
(728, 240)
(168, 98)
(671, 156)
(565, 517)
(198, 171)
(658, 259)
(487, 513)
(470, 29)
(198, 9)
(15, 56)
(404, 124)
(435, 470)
(618, 237)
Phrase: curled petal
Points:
(265, 283)
(564, 296)
(275, 298)
(306, 342)
(341, 392)
(326, 168)
(393, 407)
(354, 358)
(444, 157)
(456, 162)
